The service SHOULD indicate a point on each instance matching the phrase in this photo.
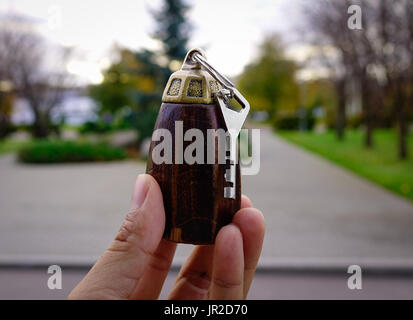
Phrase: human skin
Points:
(137, 262)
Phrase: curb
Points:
(266, 265)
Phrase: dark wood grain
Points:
(193, 195)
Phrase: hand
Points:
(137, 262)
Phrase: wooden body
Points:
(193, 195)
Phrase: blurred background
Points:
(330, 86)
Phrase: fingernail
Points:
(140, 191)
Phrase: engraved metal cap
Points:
(191, 84)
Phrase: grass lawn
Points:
(379, 164)
(9, 145)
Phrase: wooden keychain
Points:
(199, 197)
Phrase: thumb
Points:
(118, 271)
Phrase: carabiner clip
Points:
(233, 119)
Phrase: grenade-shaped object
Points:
(199, 197)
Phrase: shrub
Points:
(293, 122)
(143, 121)
(68, 151)
(95, 127)
(354, 121)
(310, 123)
(287, 123)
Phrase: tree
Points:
(22, 55)
(321, 93)
(379, 57)
(269, 82)
(6, 106)
(173, 29)
(394, 22)
(328, 21)
(135, 82)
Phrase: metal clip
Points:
(233, 119)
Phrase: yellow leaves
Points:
(128, 59)
(142, 83)
(6, 103)
(136, 81)
(146, 84)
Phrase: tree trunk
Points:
(403, 154)
(402, 123)
(5, 127)
(6, 105)
(341, 110)
(368, 111)
(41, 126)
(368, 141)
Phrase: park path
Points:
(317, 214)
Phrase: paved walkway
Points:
(316, 213)
(32, 284)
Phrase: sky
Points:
(229, 31)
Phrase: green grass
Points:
(379, 164)
(9, 145)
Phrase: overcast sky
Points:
(228, 30)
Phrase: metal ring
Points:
(224, 81)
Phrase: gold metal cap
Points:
(191, 84)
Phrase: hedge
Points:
(68, 151)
